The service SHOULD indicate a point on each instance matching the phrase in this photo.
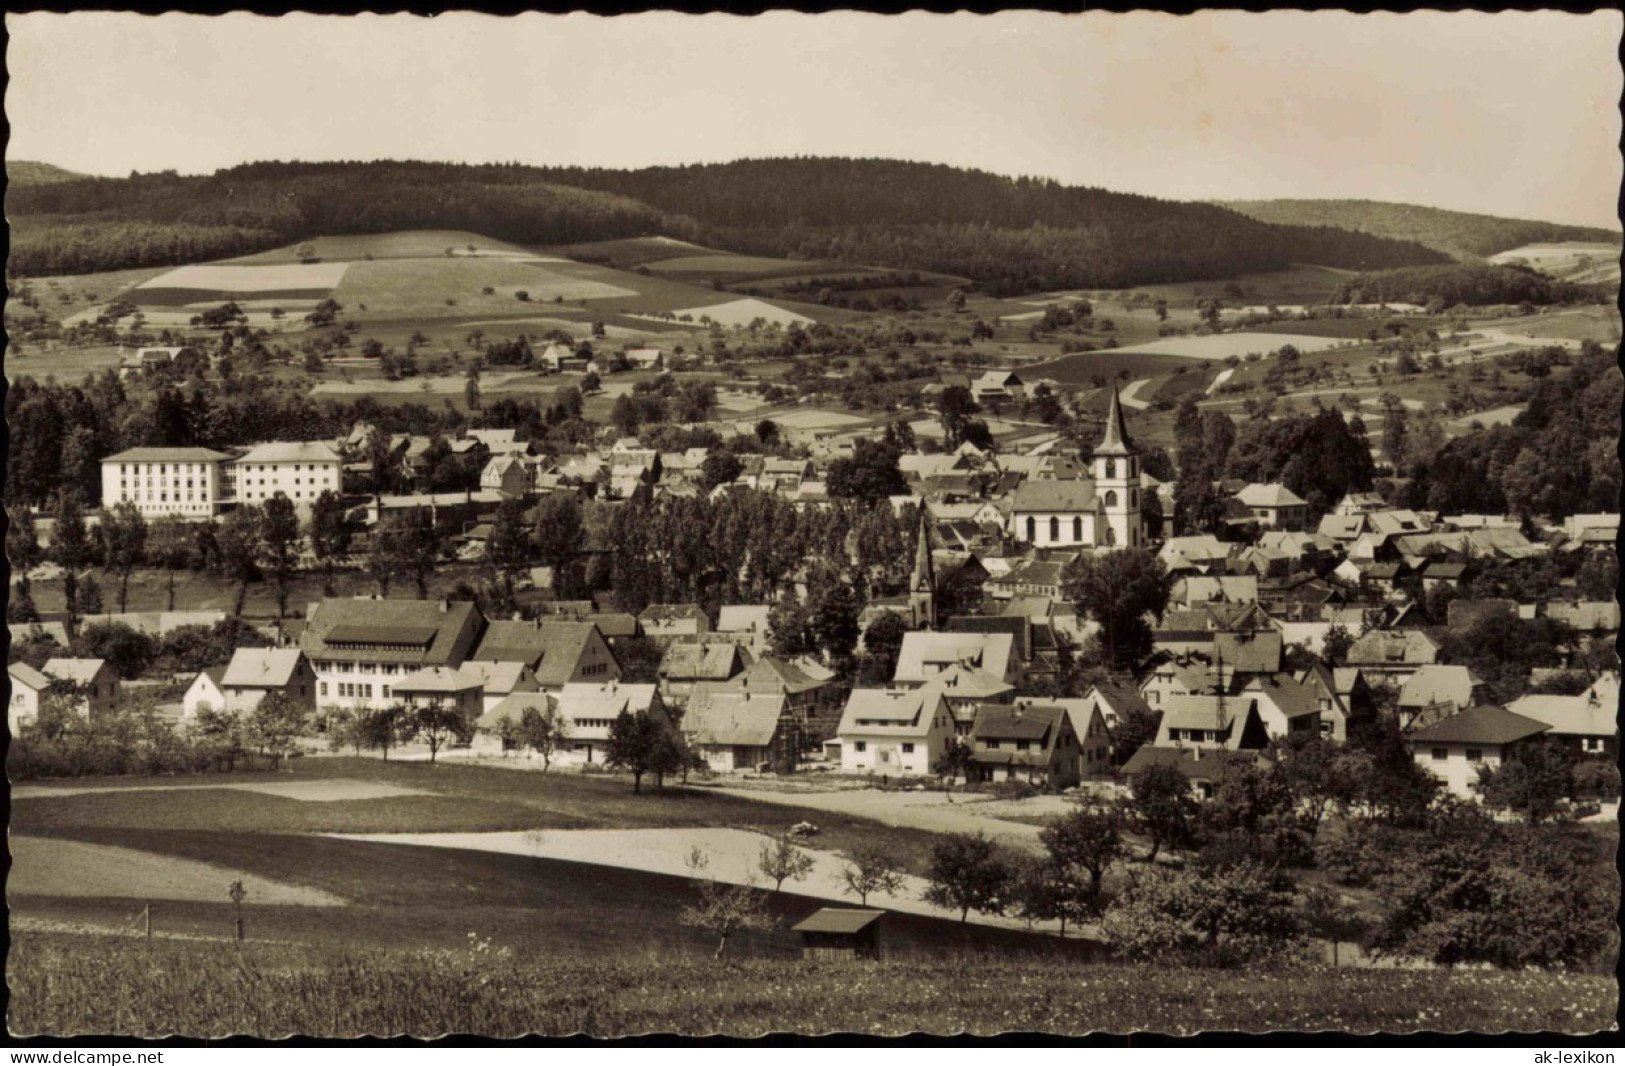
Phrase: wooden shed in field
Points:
(840, 933)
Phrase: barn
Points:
(840, 933)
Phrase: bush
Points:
(1012, 790)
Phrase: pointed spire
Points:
(1116, 441)
(924, 576)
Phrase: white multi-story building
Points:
(299, 470)
(186, 482)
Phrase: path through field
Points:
(1130, 394)
(732, 856)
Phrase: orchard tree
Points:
(969, 873)
(782, 861)
(1229, 916)
(382, 728)
(722, 909)
(124, 532)
(274, 723)
(1090, 839)
(170, 545)
(634, 745)
(22, 540)
(438, 726)
(543, 732)
(1162, 804)
(869, 867)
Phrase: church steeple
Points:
(1117, 483)
(1116, 441)
(922, 586)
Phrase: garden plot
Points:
(50, 867)
(732, 856)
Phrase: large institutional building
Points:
(1098, 512)
(201, 482)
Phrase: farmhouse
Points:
(1392, 655)
(509, 476)
(686, 664)
(894, 731)
(735, 730)
(255, 672)
(359, 648)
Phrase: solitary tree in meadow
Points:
(437, 726)
(545, 733)
(969, 873)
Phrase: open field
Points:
(402, 244)
(724, 263)
(41, 867)
(421, 287)
(1221, 346)
(1082, 367)
(65, 985)
(1578, 261)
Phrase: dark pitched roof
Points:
(1480, 725)
(417, 632)
(1203, 768)
(1010, 723)
(551, 649)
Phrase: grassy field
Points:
(402, 244)
(65, 984)
(1082, 367)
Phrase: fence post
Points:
(148, 921)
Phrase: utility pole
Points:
(238, 894)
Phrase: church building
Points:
(1102, 511)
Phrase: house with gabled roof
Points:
(28, 688)
(1435, 692)
(925, 656)
(253, 673)
(1274, 506)
(967, 689)
(445, 688)
(806, 690)
(1392, 655)
(1588, 722)
(508, 475)
(495, 728)
(499, 680)
(736, 730)
(359, 647)
(98, 683)
(1286, 706)
(901, 732)
(1200, 554)
(1457, 748)
(1211, 721)
(687, 663)
(589, 711)
(557, 653)
(206, 690)
(1034, 743)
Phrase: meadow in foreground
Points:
(63, 984)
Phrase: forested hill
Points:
(25, 172)
(1457, 233)
(1010, 234)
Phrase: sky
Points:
(1511, 114)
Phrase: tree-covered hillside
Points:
(1458, 233)
(27, 172)
(1009, 234)
(1462, 283)
(160, 219)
